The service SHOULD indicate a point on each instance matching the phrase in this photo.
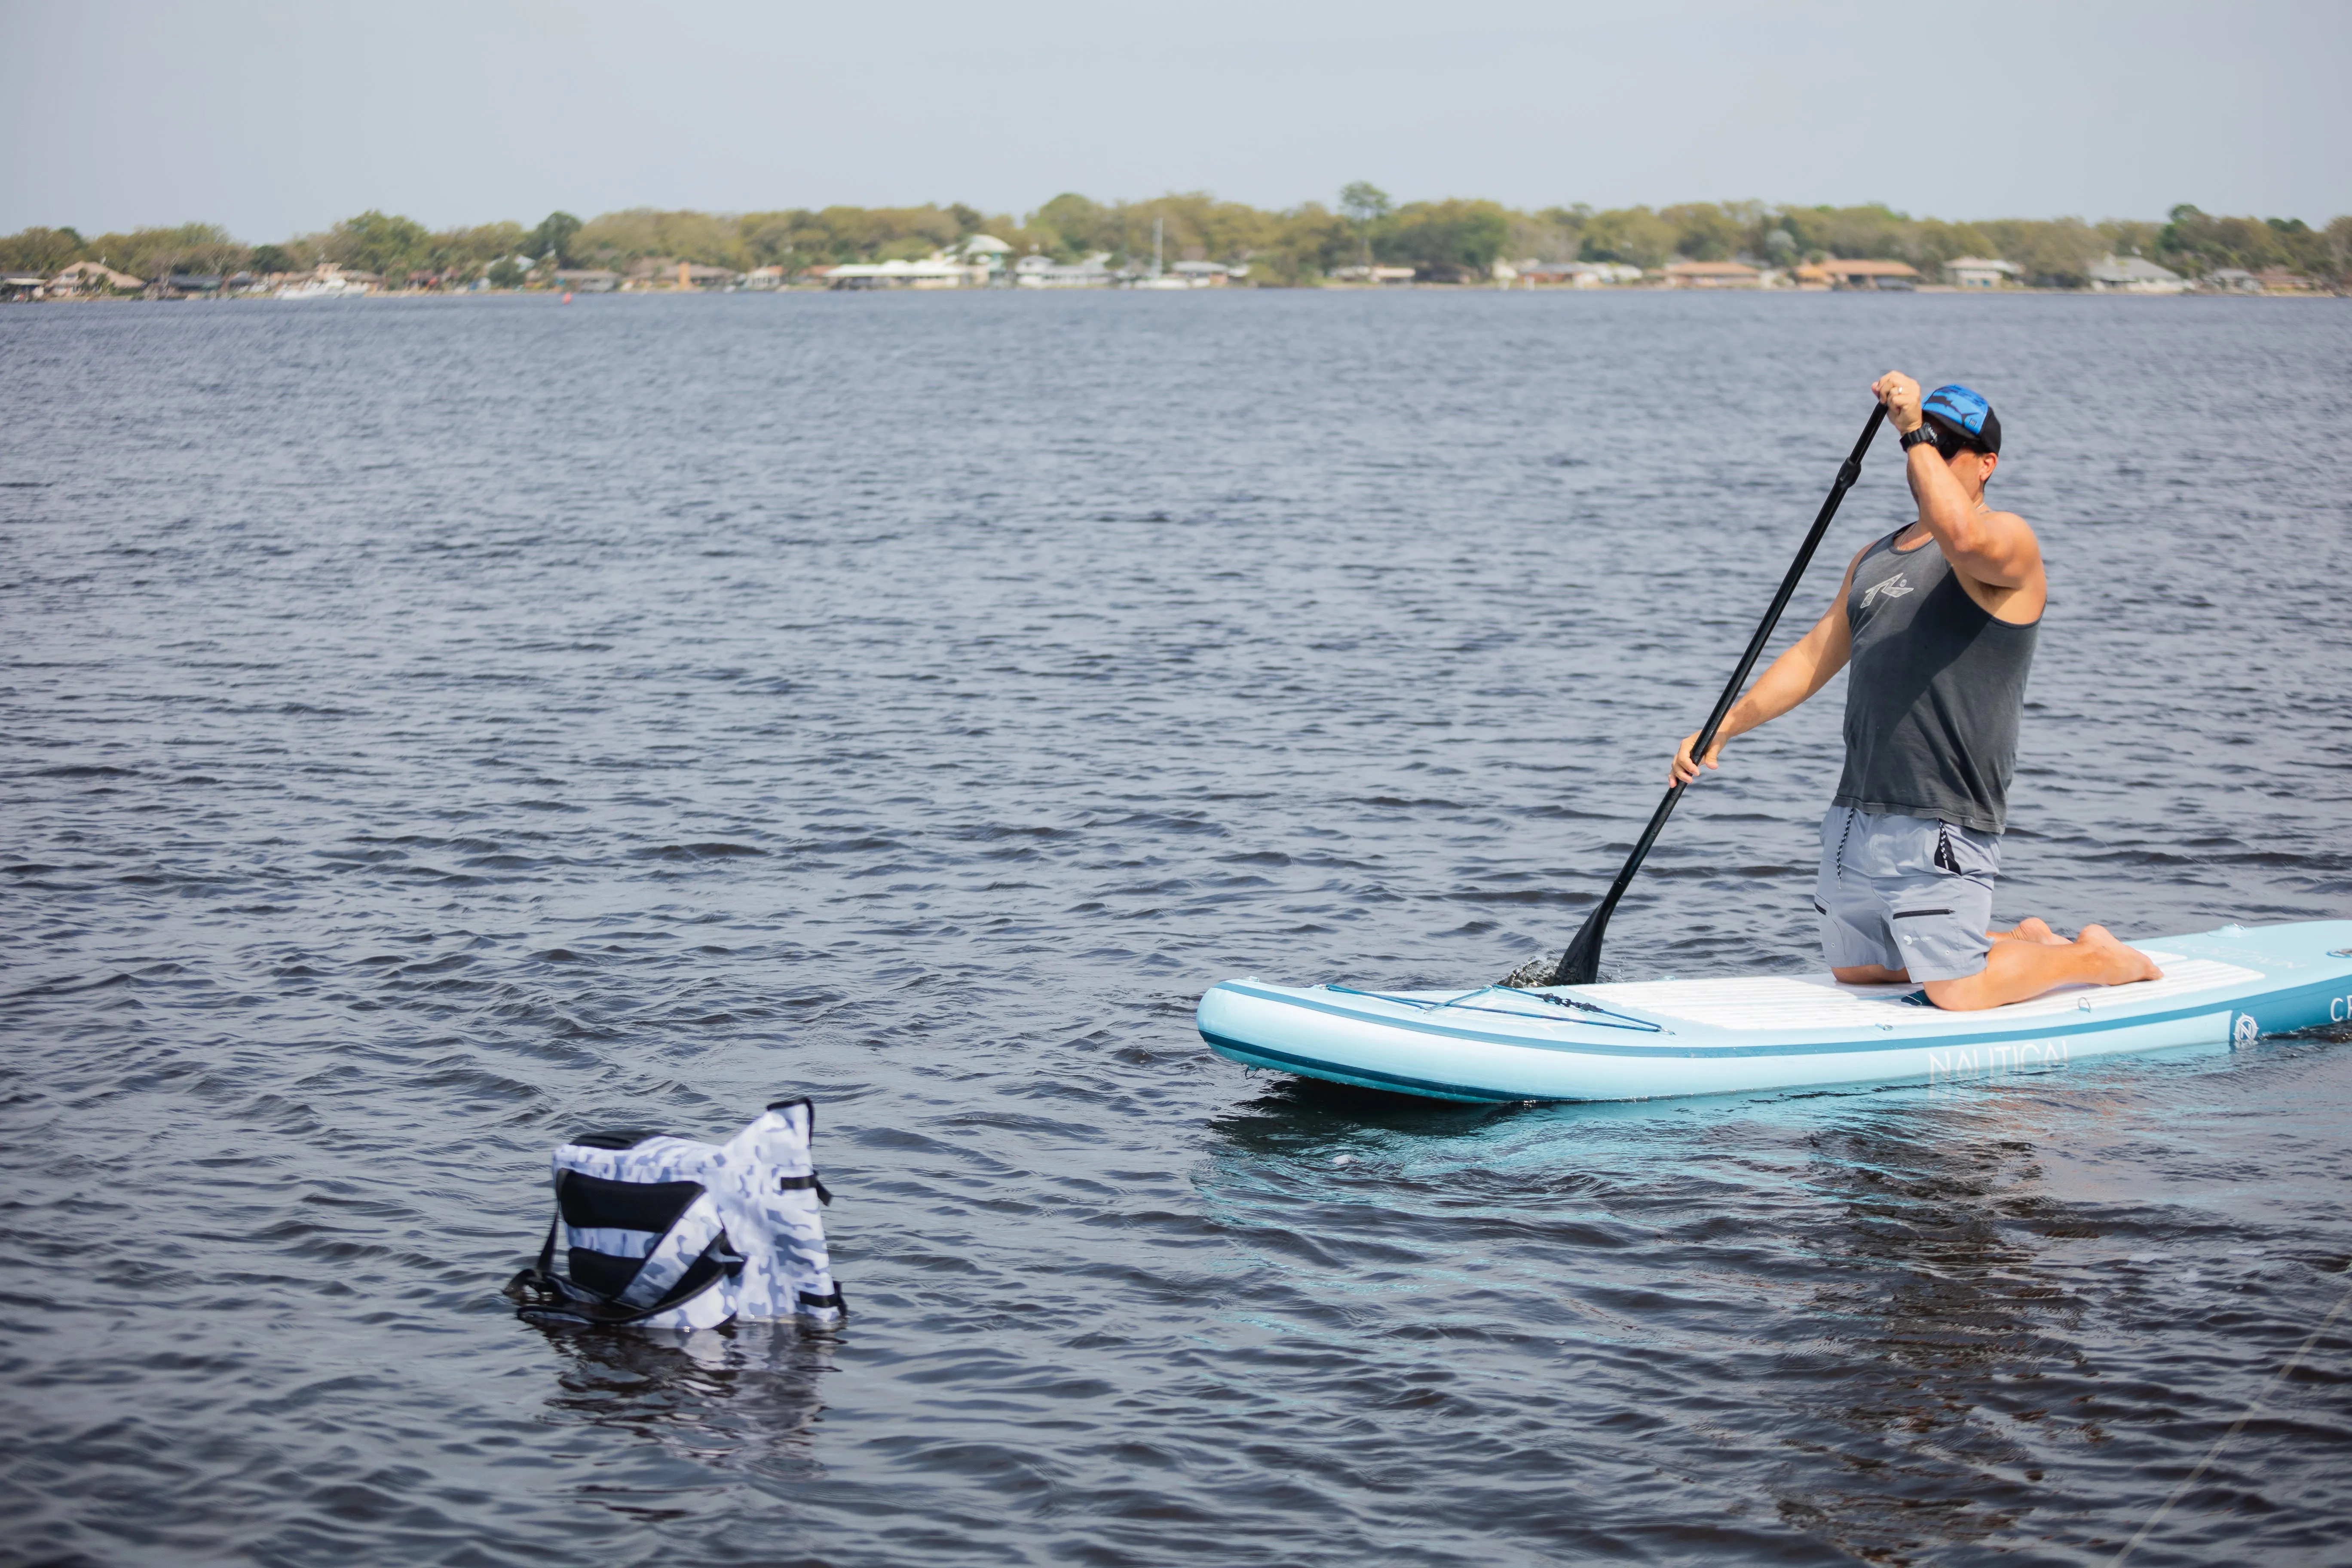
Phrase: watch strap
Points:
(1923, 436)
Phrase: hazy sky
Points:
(276, 118)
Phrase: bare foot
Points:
(2035, 929)
(2121, 965)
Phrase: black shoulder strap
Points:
(542, 1296)
(537, 1277)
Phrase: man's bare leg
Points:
(2017, 970)
(1871, 975)
(2031, 929)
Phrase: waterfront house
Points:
(984, 251)
(1712, 275)
(934, 271)
(1574, 273)
(1860, 274)
(588, 279)
(1600, 274)
(1372, 273)
(2233, 280)
(1533, 273)
(2279, 281)
(21, 286)
(1978, 272)
(2134, 275)
(1182, 275)
(328, 281)
(668, 272)
(88, 277)
(1045, 272)
(764, 277)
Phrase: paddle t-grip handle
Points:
(1581, 965)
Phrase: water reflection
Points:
(745, 1396)
(1872, 1269)
(1295, 1117)
(1921, 1349)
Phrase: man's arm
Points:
(1995, 548)
(1790, 679)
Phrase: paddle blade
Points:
(1581, 965)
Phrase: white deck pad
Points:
(1744, 1002)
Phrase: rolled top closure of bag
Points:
(615, 1140)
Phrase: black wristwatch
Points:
(1923, 436)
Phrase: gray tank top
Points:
(1933, 695)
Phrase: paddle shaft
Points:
(1581, 965)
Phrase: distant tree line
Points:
(1452, 239)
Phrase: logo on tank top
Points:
(1894, 588)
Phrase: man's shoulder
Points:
(2011, 520)
(2015, 531)
(2015, 551)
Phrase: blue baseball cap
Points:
(1962, 414)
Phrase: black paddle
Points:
(1581, 965)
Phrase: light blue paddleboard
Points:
(1659, 1037)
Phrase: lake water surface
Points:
(433, 728)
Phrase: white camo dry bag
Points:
(667, 1233)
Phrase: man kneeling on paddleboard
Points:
(1939, 620)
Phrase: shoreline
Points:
(803, 290)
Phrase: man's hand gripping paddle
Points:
(1581, 965)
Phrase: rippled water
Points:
(436, 729)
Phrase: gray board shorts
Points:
(1905, 892)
